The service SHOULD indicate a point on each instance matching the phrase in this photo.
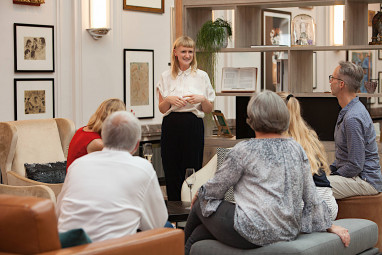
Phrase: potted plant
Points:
(210, 39)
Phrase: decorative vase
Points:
(377, 28)
(303, 30)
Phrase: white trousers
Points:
(348, 187)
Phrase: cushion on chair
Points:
(48, 173)
(363, 235)
(221, 153)
(37, 142)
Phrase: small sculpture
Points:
(303, 30)
(377, 28)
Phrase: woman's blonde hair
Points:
(305, 136)
(106, 108)
(187, 42)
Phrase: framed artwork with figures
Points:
(366, 61)
(33, 48)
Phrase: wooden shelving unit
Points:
(300, 58)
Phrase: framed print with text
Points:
(33, 48)
(156, 6)
(34, 99)
(139, 82)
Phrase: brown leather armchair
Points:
(28, 225)
(33, 141)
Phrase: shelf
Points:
(231, 4)
(303, 48)
(311, 94)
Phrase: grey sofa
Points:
(363, 235)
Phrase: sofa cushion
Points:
(38, 141)
(74, 237)
(363, 236)
(48, 173)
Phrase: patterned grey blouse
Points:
(271, 177)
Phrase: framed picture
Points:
(138, 82)
(379, 87)
(366, 61)
(314, 70)
(221, 123)
(275, 31)
(370, 15)
(156, 6)
(33, 48)
(34, 99)
(380, 54)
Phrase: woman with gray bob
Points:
(270, 175)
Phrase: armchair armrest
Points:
(18, 180)
(156, 241)
(202, 176)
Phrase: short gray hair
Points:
(351, 74)
(121, 131)
(268, 113)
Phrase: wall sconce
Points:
(99, 18)
(338, 21)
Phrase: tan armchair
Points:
(32, 141)
(28, 225)
(41, 191)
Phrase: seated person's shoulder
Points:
(95, 145)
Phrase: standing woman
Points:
(185, 95)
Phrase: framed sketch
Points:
(275, 31)
(139, 82)
(33, 48)
(380, 54)
(379, 87)
(34, 98)
(366, 61)
(156, 6)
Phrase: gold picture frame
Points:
(155, 6)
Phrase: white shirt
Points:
(110, 194)
(186, 83)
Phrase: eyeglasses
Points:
(331, 78)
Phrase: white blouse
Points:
(186, 83)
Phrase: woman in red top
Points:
(88, 139)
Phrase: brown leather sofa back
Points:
(28, 225)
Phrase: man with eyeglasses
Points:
(356, 170)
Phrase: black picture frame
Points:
(33, 48)
(138, 94)
(34, 98)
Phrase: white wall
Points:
(87, 71)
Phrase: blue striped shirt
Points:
(356, 146)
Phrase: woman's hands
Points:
(177, 101)
(194, 99)
(341, 232)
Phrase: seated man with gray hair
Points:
(111, 193)
(356, 170)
